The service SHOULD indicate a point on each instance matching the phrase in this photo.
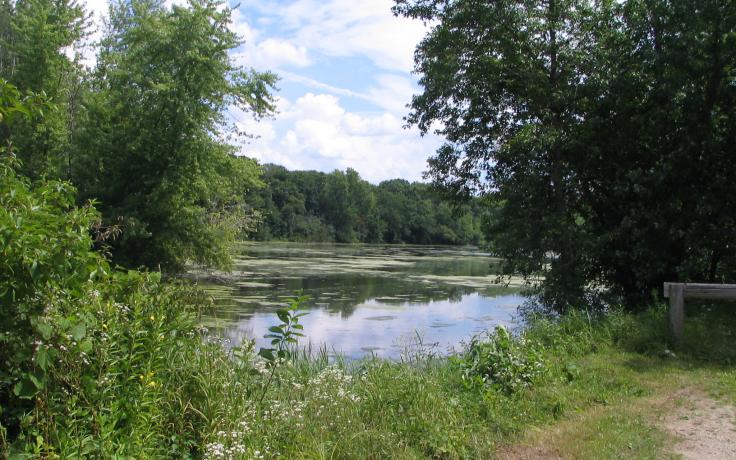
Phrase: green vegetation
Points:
(340, 206)
(599, 134)
(77, 337)
(33, 37)
(145, 133)
(150, 148)
(106, 363)
(603, 129)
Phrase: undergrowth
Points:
(109, 364)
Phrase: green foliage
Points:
(285, 335)
(124, 360)
(600, 130)
(93, 362)
(501, 361)
(151, 150)
(340, 206)
(146, 133)
(40, 247)
(45, 245)
(35, 39)
(13, 105)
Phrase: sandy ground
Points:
(701, 428)
(705, 429)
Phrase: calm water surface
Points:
(364, 299)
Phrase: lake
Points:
(364, 299)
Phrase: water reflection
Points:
(364, 299)
(386, 330)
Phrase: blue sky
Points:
(345, 69)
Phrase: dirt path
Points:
(704, 428)
(692, 424)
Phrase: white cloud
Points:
(392, 93)
(317, 132)
(341, 28)
(240, 26)
(315, 84)
(271, 53)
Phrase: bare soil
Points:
(700, 427)
(703, 428)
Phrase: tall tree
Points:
(663, 129)
(37, 44)
(597, 127)
(339, 207)
(503, 78)
(152, 152)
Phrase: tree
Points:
(338, 207)
(152, 150)
(36, 38)
(664, 184)
(595, 127)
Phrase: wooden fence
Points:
(678, 292)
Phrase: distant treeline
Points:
(342, 207)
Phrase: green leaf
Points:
(78, 331)
(267, 353)
(45, 329)
(34, 271)
(283, 315)
(25, 389)
(43, 358)
(38, 379)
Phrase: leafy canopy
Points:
(603, 131)
(154, 148)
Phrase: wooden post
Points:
(677, 292)
(677, 311)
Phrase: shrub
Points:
(46, 257)
(501, 361)
(93, 360)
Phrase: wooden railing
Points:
(678, 292)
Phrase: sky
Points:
(345, 80)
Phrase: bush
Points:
(502, 362)
(93, 360)
(46, 257)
